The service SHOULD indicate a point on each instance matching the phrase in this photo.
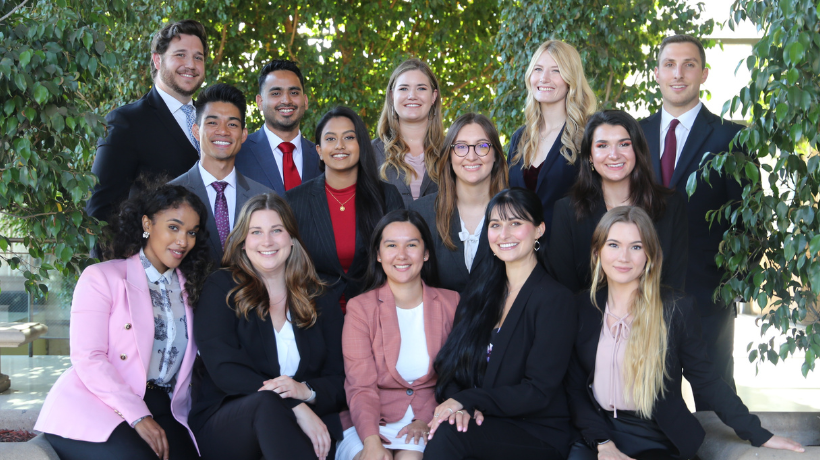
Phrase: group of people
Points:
(418, 295)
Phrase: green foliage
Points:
(618, 43)
(779, 209)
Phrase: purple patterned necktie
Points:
(670, 152)
(223, 224)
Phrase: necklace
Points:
(341, 205)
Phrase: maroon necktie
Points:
(670, 152)
(223, 223)
(291, 174)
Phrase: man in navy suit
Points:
(277, 155)
(679, 136)
(153, 135)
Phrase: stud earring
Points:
(145, 234)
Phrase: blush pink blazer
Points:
(371, 340)
(112, 338)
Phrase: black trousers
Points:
(124, 442)
(496, 438)
(718, 332)
(636, 437)
(253, 427)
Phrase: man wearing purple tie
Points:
(679, 136)
(220, 131)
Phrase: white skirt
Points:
(351, 445)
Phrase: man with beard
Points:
(277, 156)
(153, 136)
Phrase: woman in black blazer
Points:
(501, 369)
(473, 171)
(625, 397)
(272, 382)
(338, 210)
(615, 170)
(543, 154)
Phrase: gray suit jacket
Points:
(245, 190)
(393, 177)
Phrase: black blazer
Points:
(123, 155)
(452, 270)
(523, 379)
(309, 203)
(570, 247)
(256, 161)
(240, 354)
(686, 351)
(554, 181)
(712, 134)
(393, 177)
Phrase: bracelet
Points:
(312, 393)
(601, 443)
(133, 425)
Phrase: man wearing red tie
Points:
(277, 156)
(678, 136)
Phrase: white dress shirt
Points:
(230, 191)
(275, 140)
(286, 349)
(176, 110)
(681, 131)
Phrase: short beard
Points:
(287, 126)
(167, 77)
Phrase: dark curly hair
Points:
(122, 238)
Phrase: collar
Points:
(687, 119)
(276, 140)
(209, 179)
(172, 103)
(152, 273)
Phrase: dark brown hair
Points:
(172, 30)
(683, 38)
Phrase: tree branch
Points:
(218, 57)
(465, 83)
(13, 10)
(31, 216)
(293, 26)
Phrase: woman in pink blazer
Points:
(127, 394)
(391, 336)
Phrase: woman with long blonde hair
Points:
(635, 341)
(543, 153)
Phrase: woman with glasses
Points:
(543, 154)
(473, 171)
(410, 131)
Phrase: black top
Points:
(686, 351)
(397, 178)
(240, 354)
(569, 251)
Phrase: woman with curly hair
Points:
(127, 393)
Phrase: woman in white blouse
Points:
(473, 170)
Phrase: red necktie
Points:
(291, 174)
(670, 152)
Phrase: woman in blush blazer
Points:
(391, 336)
(127, 393)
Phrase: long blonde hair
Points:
(645, 356)
(388, 130)
(301, 281)
(580, 103)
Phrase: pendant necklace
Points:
(341, 205)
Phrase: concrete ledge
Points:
(721, 442)
(36, 449)
(18, 419)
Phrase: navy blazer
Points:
(555, 179)
(710, 135)
(256, 161)
(123, 154)
(397, 179)
(686, 356)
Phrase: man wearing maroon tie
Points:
(277, 155)
(679, 136)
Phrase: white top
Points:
(230, 191)
(275, 140)
(681, 131)
(470, 242)
(414, 361)
(176, 110)
(286, 349)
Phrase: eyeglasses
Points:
(481, 149)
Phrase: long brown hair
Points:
(301, 281)
(446, 201)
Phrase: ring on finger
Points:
(451, 410)
(460, 412)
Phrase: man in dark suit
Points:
(153, 135)
(277, 155)
(679, 136)
(220, 130)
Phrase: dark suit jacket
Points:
(710, 134)
(393, 177)
(245, 190)
(452, 270)
(256, 161)
(309, 203)
(570, 247)
(523, 379)
(143, 137)
(687, 351)
(554, 181)
(240, 354)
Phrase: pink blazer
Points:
(112, 338)
(371, 340)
